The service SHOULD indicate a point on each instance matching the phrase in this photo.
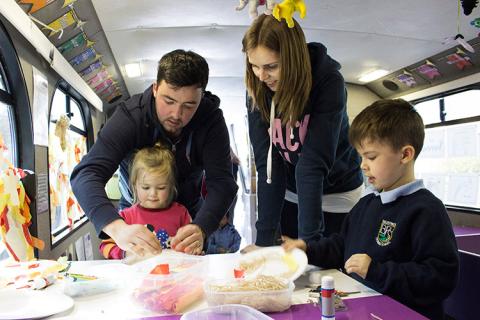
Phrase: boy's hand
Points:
(289, 244)
(358, 263)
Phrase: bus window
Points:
(449, 163)
(8, 150)
(7, 134)
(67, 145)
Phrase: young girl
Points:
(152, 180)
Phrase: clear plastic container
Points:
(173, 292)
(96, 279)
(262, 300)
(226, 312)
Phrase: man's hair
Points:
(181, 68)
(295, 82)
(158, 160)
(394, 122)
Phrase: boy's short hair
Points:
(394, 122)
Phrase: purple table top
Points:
(461, 231)
(470, 244)
(382, 307)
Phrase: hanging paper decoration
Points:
(15, 217)
(429, 70)
(35, 4)
(459, 38)
(287, 8)
(63, 22)
(468, 6)
(77, 41)
(99, 77)
(91, 68)
(407, 79)
(114, 96)
(88, 54)
(475, 22)
(460, 59)
(103, 85)
(108, 91)
(253, 4)
(68, 2)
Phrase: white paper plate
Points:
(274, 261)
(28, 304)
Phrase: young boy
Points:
(397, 239)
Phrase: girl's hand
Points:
(359, 264)
(289, 244)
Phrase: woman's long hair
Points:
(295, 68)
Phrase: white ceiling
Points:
(361, 34)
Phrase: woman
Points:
(297, 94)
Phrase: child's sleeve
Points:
(109, 250)
(328, 253)
(235, 241)
(432, 274)
(212, 243)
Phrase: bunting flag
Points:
(103, 85)
(114, 96)
(63, 22)
(407, 79)
(460, 59)
(429, 70)
(88, 54)
(108, 91)
(77, 41)
(68, 2)
(99, 77)
(91, 68)
(35, 4)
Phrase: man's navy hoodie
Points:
(318, 160)
(203, 146)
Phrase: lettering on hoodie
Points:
(289, 148)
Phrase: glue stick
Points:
(328, 306)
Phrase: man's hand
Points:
(358, 263)
(135, 238)
(290, 244)
(189, 239)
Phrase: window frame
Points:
(16, 95)
(447, 123)
(70, 93)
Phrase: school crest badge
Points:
(385, 234)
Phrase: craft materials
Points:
(328, 307)
(43, 282)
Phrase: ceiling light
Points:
(373, 75)
(133, 70)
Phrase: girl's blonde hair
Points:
(157, 159)
(295, 82)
